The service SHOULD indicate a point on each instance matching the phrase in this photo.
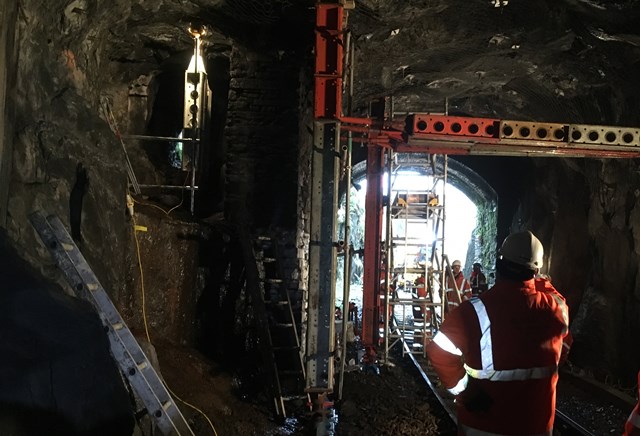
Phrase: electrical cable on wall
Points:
(166, 212)
(136, 229)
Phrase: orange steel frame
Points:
(436, 134)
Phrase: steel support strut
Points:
(372, 249)
(324, 192)
(322, 259)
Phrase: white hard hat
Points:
(456, 262)
(523, 248)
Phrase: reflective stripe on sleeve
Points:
(461, 386)
(512, 374)
(634, 418)
(486, 351)
(564, 309)
(445, 343)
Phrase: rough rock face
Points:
(595, 259)
(560, 61)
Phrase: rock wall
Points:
(586, 214)
(57, 126)
(8, 52)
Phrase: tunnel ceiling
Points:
(564, 61)
(561, 60)
(152, 33)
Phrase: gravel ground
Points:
(596, 413)
(395, 402)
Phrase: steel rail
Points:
(563, 425)
(425, 377)
(567, 426)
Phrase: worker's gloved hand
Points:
(475, 399)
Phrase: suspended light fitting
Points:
(195, 86)
(197, 109)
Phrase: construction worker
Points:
(632, 427)
(420, 312)
(477, 280)
(499, 353)
(459, 285)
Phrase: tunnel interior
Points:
(563, 61)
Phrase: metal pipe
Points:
(195, 188)
(158, 138)
(113, 125)
(347, 260)
(346, 72)
(444, 220)
(194, 168)
(352, 59)
(389, 264)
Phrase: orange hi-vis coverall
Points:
(499, 354)
(632, 427)
(421, 311)
(544, 285)
(464, 290)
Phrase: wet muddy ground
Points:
(393, 402)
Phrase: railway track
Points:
(586, 407)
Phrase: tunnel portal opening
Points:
(470, 232)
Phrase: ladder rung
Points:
(268, 259)
(274, 281)
(282, 324)
(414, 220)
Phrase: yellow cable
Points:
(146, 328)
(174, 207)
(152, 205)
(196, 409)
(144, 313)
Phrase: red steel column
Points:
(373, 235)
(329, 52)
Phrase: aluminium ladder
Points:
(263, 287)
(124, 348)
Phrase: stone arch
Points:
(459, 175)
(475, 187)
